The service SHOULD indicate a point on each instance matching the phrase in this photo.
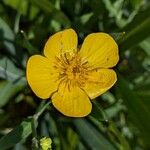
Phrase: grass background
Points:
(120, 119)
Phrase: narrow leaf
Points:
(8, 89)
(137, 30)
(91, 136)
(7, 36)
(16, 135)
(138, 110)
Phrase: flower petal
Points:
(100, 50)
(60, 43)
(41, 76)
(99, 81)
(72, 102)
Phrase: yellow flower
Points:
(71, 77)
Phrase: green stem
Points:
(34, 134)
(34, 125)
(41, 110)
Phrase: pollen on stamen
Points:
(71, 69)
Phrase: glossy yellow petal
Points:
(41, 76)
(100, 50)
(61, 42)
(99, 82)
(72, 101)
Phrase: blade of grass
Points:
(91, 136)
(136, 31)
(138, 111)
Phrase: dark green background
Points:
(120, 119)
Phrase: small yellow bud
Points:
(45, 143)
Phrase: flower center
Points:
(71, 68)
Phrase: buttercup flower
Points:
(71, 77)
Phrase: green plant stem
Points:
(35, 145)
(41, 110)
(34, 125)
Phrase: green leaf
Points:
(137, 30)
(8, 70)
(124, 145)
(111, 128)
(115, 109)
(91, 136)
(49, 8)
(46, 5)
(146, 46)
(22, 6)
(99, 113)
(8, 89)
(14, 80)
(74, 139)
(115, 10)
(19, 5)
(138, 110)
(7, 36)
(16, 135)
